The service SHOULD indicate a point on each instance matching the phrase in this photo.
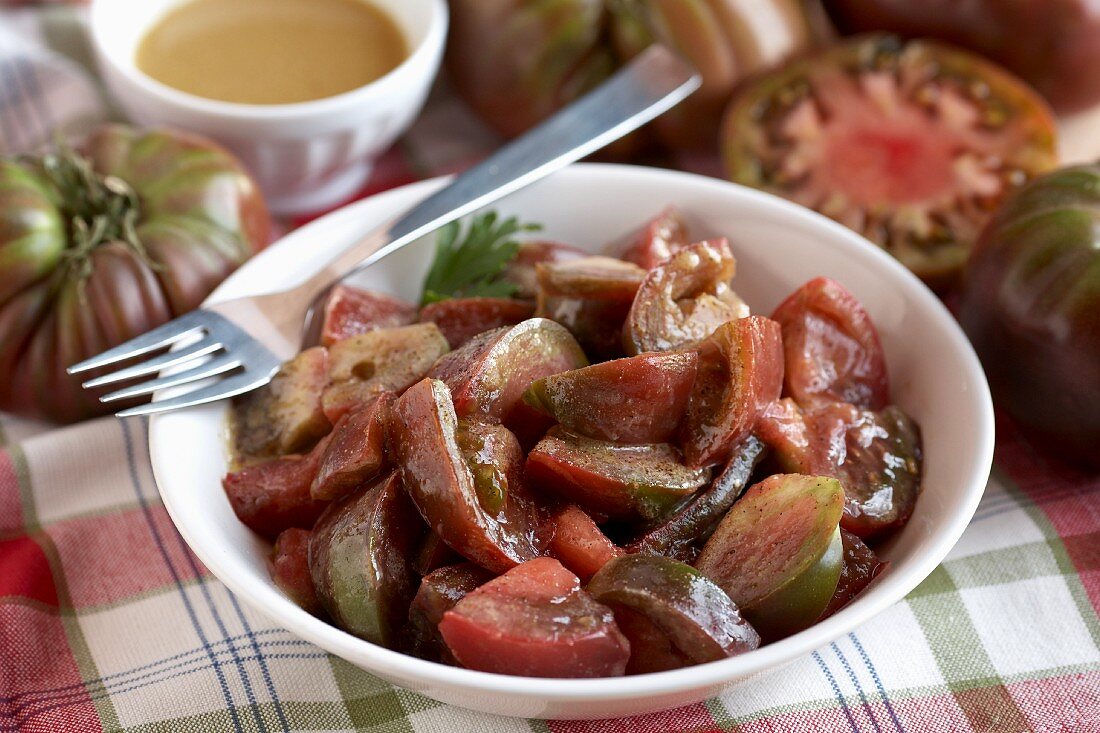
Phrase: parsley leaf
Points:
(471, 265)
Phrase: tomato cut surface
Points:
(639, 399)
(535, 620)
(578, 543)
(289, 568)
(275, 495)
(284, 416)
(911, 144)
(356, 452)
(460, 319)
(658, 240)
(831, 348)
(350, 311)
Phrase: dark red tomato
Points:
(442, 484)
(831, 347)
(356, 452)
(578, 543)
(350, 311)
(535, 621)
(861, 566)
(286, 415)
(360, 559)
(876, 455)
(640, 399)
(650, 648)
(680, 535)
(289, 568)
(591, 297)
(274, 495)
(913, 145)
(520, 271)
(658, 240)
(740, 374)
(383, 360)
(693, 612)
(434, 554)
(439, 591)
(460, 319)
(1052, 44)
(622, 481)
(684, 299)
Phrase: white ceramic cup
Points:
(306, 156)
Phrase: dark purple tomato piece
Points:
(535, 621)
(591, 297)
(460, 319)
(861, 566)
(356, 452)
(831, 348)
(439, 591)
(680, 535)
(289, 568)
(693, 612)
(382, 360)
(285, 416)
(912, 144)
(684, 299)
(650, 648)
(433, 554)
(658, 240)
(642, 481)
(274, 495)
(521, 270)
(876, 455)
(360, 559)
(740, 374)
(350, 311)
(777, 553)
(440, 478)
(640, 399)
(578, 543)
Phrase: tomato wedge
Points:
(350, 311)
(658, 240)
(578, 543)
(521, 270)
(289, 568)
(861, 566)
(535, 621)
(460, 319)
(650, 648)
(831, 348)
(356, 452)
(438, 593)
(285, 416)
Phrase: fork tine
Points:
(157, 363)
(158, 338)
(212, 368)
(228, 387)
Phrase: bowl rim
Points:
(889, 589)
(392, 81)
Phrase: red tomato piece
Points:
(356, 451)
(740, 374)
(861, 566)
(274, 495)
(640, 399)
(521, 270)
(434, 554)
(350, 311)
(579, 544)
(535, 621)
(659, 238)
(439, 591)
(460, 319)
(831, 348)
(289, 568)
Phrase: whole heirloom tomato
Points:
(1031, 306)
(517, 61)
(98, 248)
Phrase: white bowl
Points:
(779, 245)
(306, 156)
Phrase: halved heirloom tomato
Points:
(536, 621)
(289, 568)
(475, 500)
(876, 455)
(359, 557)
(777, 553)
(460, 319)
(578, 543)
(591, 297)
(621, 481)
(439, 591)
(285, 415)
(680, 535)
(658, 240)
(350, 311)
(861, 566)
(912, 144)
(520, 271)
(639, 399)
(831, 348)
(356, 450)
(740, 374)
(683, 299)
(382, 360)
(693, 612)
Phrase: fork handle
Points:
(651, 84)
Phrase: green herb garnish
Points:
(471, 266)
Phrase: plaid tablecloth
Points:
(108, 622)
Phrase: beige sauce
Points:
(271, 51)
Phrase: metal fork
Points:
(241, 343)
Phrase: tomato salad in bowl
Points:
(570, 465)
